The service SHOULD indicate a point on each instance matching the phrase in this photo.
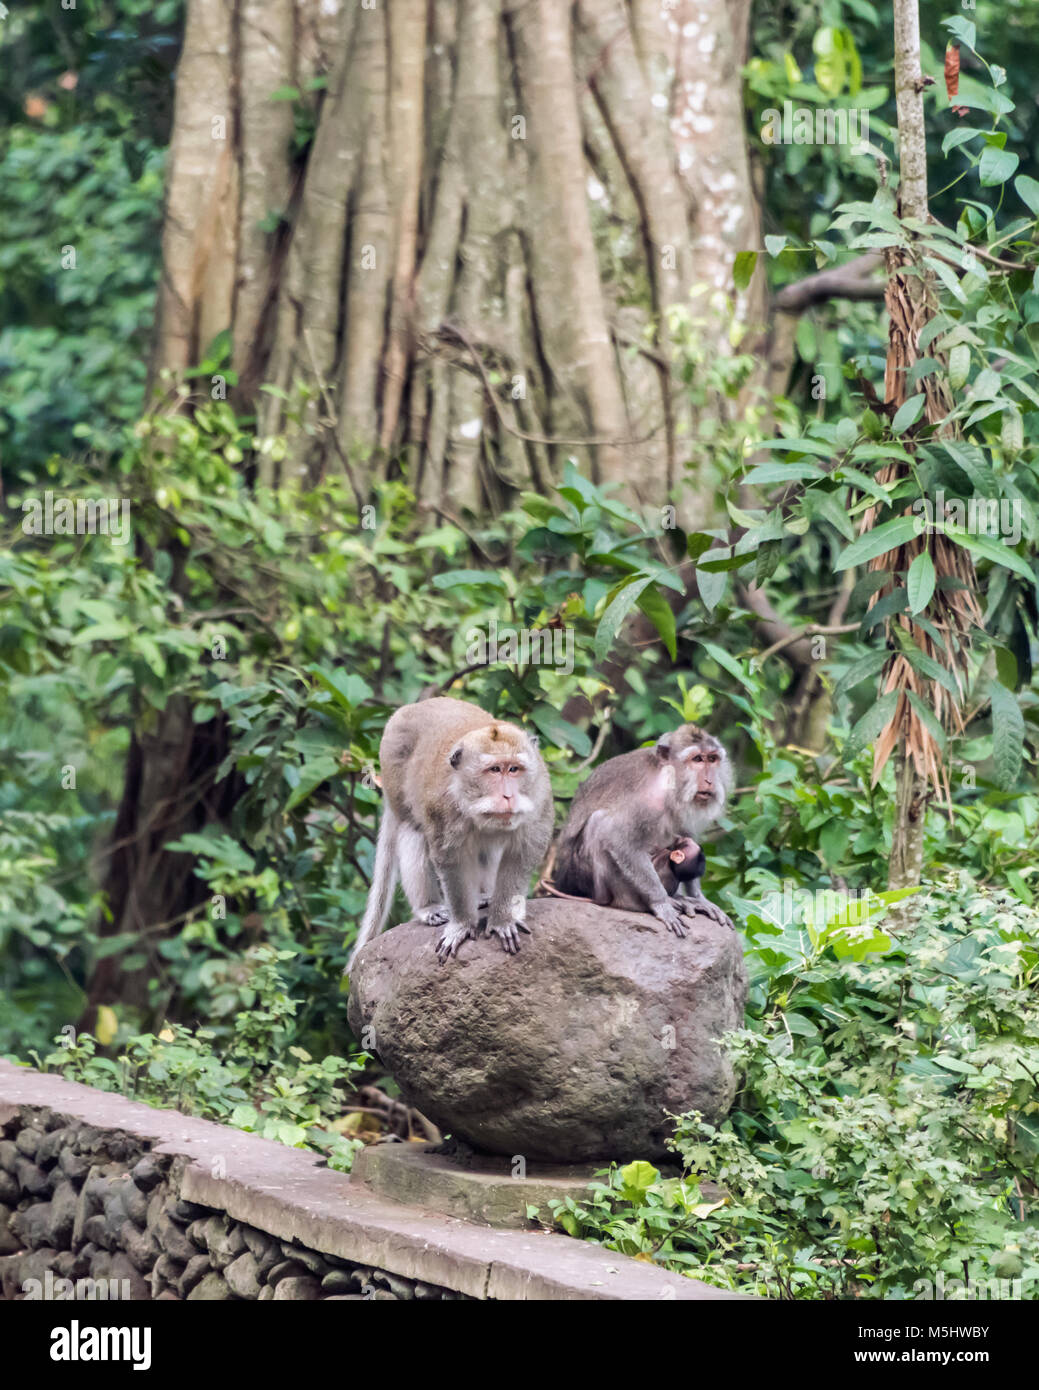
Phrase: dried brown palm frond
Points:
(952, 612)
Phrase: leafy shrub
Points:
(887, 1127)
(259, 1082)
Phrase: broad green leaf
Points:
(991, 549)
(861, 670)
(1006, 667)
(959, 366)
(887, 450)
(451, 579)
(973, 462)
(961, 29)
(827, 506)
(920, 582)
(720, 562)
(559, 731)
(697, 542)
(800, 446)
(946, 276)
(711, 587)
(730, 664)
(312, 775)
(784, 472)
(1008, 735)
(981, 99)
(896, 601)
(743, 268)
(346, 687)
(872, 724)
(996, 165)
(617, 609)
(637, 1178)
(862, 481)
(101, 632)
(927, 665)
(1012, 435)
(657, 609)
(908, 413)
(878, 541)
(1028, 191)
(960, 136)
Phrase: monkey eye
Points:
(495, 768)
(514, 769)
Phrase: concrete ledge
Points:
(286, 1193)
(483, 1190)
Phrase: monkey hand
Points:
(670, 914)
(692, 906)
(434, 916)
(453, 936)
(508, 934)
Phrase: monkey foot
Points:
(709, 909)
(508, 935)
(451, 939)
(434, 916)
(671, 916)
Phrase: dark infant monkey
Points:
(630, 805)
(682, 863)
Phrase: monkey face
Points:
(706, 761)
(701, 767)
(494, 770)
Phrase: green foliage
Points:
(837, 56)
(75, 338)
(258, 1081)
(823, 475)
(888, 1121)
(271, 638)
(81, 172)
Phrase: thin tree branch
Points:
(810, 630)
(848, 281)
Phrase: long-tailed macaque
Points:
(634, 803)
(467, 818)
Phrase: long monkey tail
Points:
(384, 880)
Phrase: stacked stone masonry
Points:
(88, 1213)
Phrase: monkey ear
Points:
(535, 740)
(663, 748)
(456, 756)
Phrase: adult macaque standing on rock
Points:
(468, 817)
(632, 805)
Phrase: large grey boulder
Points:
(572, 1050)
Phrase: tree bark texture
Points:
(443, 277)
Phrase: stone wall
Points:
(155, 1204)
(87, 1213)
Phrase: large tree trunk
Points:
(463, 275)
(464, 203)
